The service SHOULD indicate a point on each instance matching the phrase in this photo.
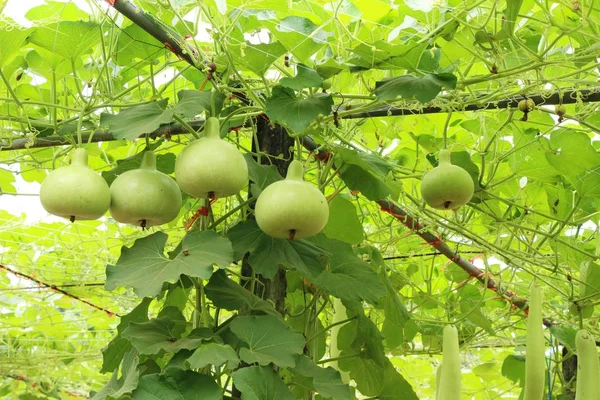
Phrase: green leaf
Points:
(343, 223)
(590, 281)
(10, 42)
(214, 354)
(69, 39)
(164, 333)
(138, 120)
(300, 36)
(177, 384)
(260, 175)
(225, 293)
(367, 374)
(395, 387)
(165, 163)
(576, 160)
(424, 88)
(565, 335)
(473, 313)
(113, 353)
(296, 112)
(349, 277)
(388, 56)
(193, 102)
(117, 387)
(145, 268)
(259, 57)
(267, 253)
(513, 368)
(57, 11)
(305, 78)
(269, 340)
(136, 44)
(326, 381)
(260, 383)
(368, 174)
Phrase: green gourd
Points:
(447, 186)
(210, 166)
(291, 208)
(535, 361)
(339, 315)
(588, 367)
(75, 191)
(450, 376)
(144, 196)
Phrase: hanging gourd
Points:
(211, 167)
(588, 367)
(145, 197)
(447, 186)
(75, 191)
(449, 387)
(535, 351)
(291, 208)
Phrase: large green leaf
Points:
(145, 268)
(326, 381)
(268, 340)
(117, 387)
(424, 88)
(259, 57)
(138, 120)
(260, 175)
(69, 39)
(136, 44)
(226, 294)
(267, 254)
(214, 354)
(164, 333)
(305, 78)
(165, 163)
(193, 102)
(113, 353)
(261, 383)
(10, 42)
(368, 174)
(343, 223)
(177, 384)
(297, 112)
(349, 277)
(300, 36)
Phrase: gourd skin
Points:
(75, 191)
(535, 364)
(291, 208)
(144, 196)
(588, 367)
(210, 166)
(450, 376)
(447, 186)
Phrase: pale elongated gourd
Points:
(144, 196)
(339, 314)
(588, 367)
(447, 186)
(291, 208)
(535, 363)
(450, 377)
(210, 166)
(75, 191)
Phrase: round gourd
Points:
(560, 109)
(211, 167)
(447, 186)
(588, 367)
(526, 105)
(535, 356)
(449, 387)
(75, 191)
(291, 208)
(144, 196)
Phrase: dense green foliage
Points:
(101, 307)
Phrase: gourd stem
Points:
(212, 128)
(295, 171)
(148, 160)
(79, 157)
(445, 157)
